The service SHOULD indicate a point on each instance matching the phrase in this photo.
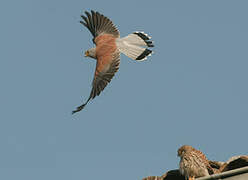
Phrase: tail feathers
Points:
(139, 39)
(143, 56)
(135, 52)
(145, 38)
(134, 45)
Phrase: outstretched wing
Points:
(98, 24)
(107, 53)
(106, 68)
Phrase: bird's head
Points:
(182, 150)
(90, 53)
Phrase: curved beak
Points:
(86, 54)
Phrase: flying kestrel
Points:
(109, 45)
(193, 163)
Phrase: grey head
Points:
(91, 53)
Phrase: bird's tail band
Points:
(134, 46)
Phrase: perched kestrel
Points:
(109, 45)
(193, 163)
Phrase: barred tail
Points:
(133, 46)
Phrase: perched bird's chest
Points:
(192, 166)
(182, 166)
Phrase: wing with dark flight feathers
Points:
(98, 24)
(102, 77)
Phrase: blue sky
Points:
(193, 90)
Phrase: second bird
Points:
(193, 163)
